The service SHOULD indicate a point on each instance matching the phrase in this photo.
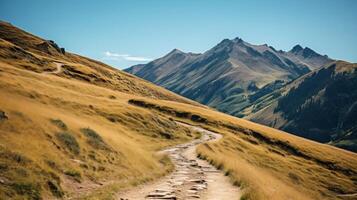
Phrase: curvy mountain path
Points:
(192, 178)
(57, 71)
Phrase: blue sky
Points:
(124, 33)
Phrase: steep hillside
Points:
(225, 76)
(268, 163)
(66, 127)
(39, 55)
(74, 128)
(319, 106)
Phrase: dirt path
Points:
(57, 71)
(192, 179)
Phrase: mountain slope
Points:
(227, 74)
(38, 55)
(66, 128)
(74, 128)
(258, 82)
(319, 106)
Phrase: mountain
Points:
(307, 56)
(320, 106)
(225, 76)
(75, 128)
(281, 89)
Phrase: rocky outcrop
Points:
(50, 47)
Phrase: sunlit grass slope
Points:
(69, 133)
(61, 135)
(268, 163)
(90, 130)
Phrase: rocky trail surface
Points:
(192, 178)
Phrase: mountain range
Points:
(299, 91)
(226, 76)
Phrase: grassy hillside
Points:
(319, 106)
(63, 135)
(88, 130)
(74, 130)
(268, 163)
(26, 51)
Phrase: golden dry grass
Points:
(44, 153)
(32, 100)
(268, 163)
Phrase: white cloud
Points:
(116, 56)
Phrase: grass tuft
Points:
(14, 156)
(74, 174)
(69, 142)
(30, 190)
(55, 189)
(60, 124)
(94, 139)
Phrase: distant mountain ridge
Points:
(299, 91)
(225, 76)
(321, 106)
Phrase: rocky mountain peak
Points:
(297, 48)
(225, 42)
(175, 51)
(308, 53)
(238, 40)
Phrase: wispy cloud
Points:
(115, 56)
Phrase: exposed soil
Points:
(57, 71)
